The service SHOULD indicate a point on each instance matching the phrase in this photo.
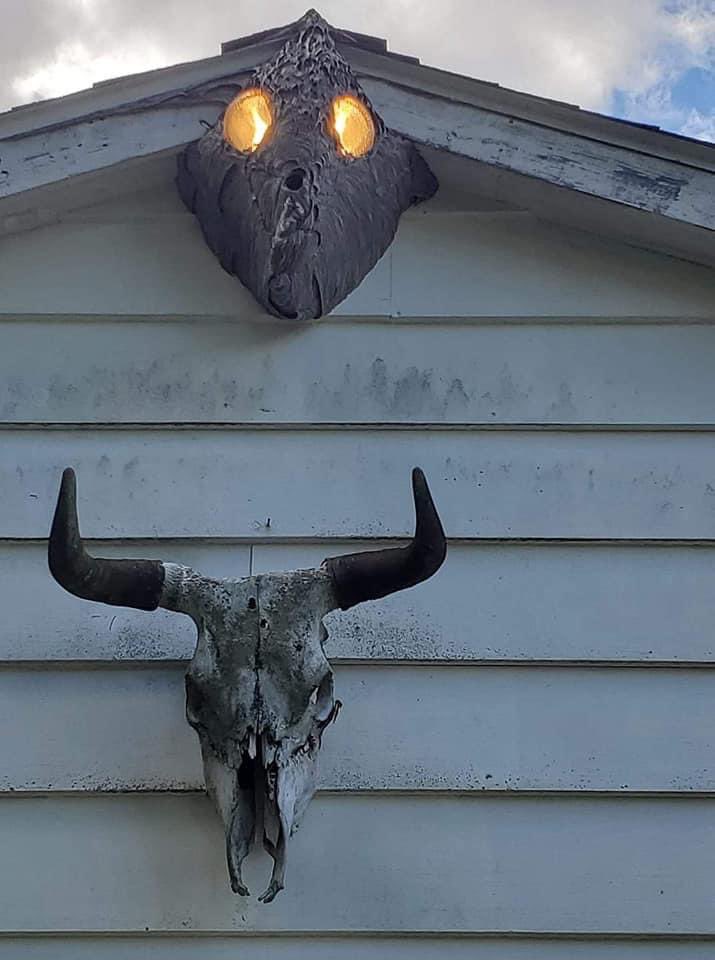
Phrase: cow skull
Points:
(259, 689)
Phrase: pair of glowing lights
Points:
(249, 117)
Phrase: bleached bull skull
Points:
(259, 689)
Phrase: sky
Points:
(652, 61)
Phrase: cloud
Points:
(681, 95)
(698, 125)
(572, 50)
(74, 66)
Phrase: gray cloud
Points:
(31, 32)
(568, 49)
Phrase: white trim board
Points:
(656, 193)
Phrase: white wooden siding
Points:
(365, 863)
(577, 602)
(648, 199)
(270, 483)
(423, 947)
(201, 370)
(524, 759)
(442, 265)
(402, 727)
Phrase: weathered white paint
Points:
(336, 483)
(439, 728)
(347, 948)
(213, 371)
(441, 264)
(585, 212)
(57, 154)
(576, 603)
(549, 113)
(107, 96)
(670, 189)
(558, 158)
(371, 863)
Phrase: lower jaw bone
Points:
(271, 801)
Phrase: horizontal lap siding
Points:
(247, 947)
(337, 483)
(413, 833)
(441, 265)
(414, 728)
(80, 630)
(490, 601)
(212, 371)
(364, 863)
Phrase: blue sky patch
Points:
(694, 88)
(682, 99)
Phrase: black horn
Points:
(374, 574)
(123, 583)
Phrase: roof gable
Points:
(636, 183)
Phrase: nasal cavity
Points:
(295, 179)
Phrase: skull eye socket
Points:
(351, 125)
(247, 120)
